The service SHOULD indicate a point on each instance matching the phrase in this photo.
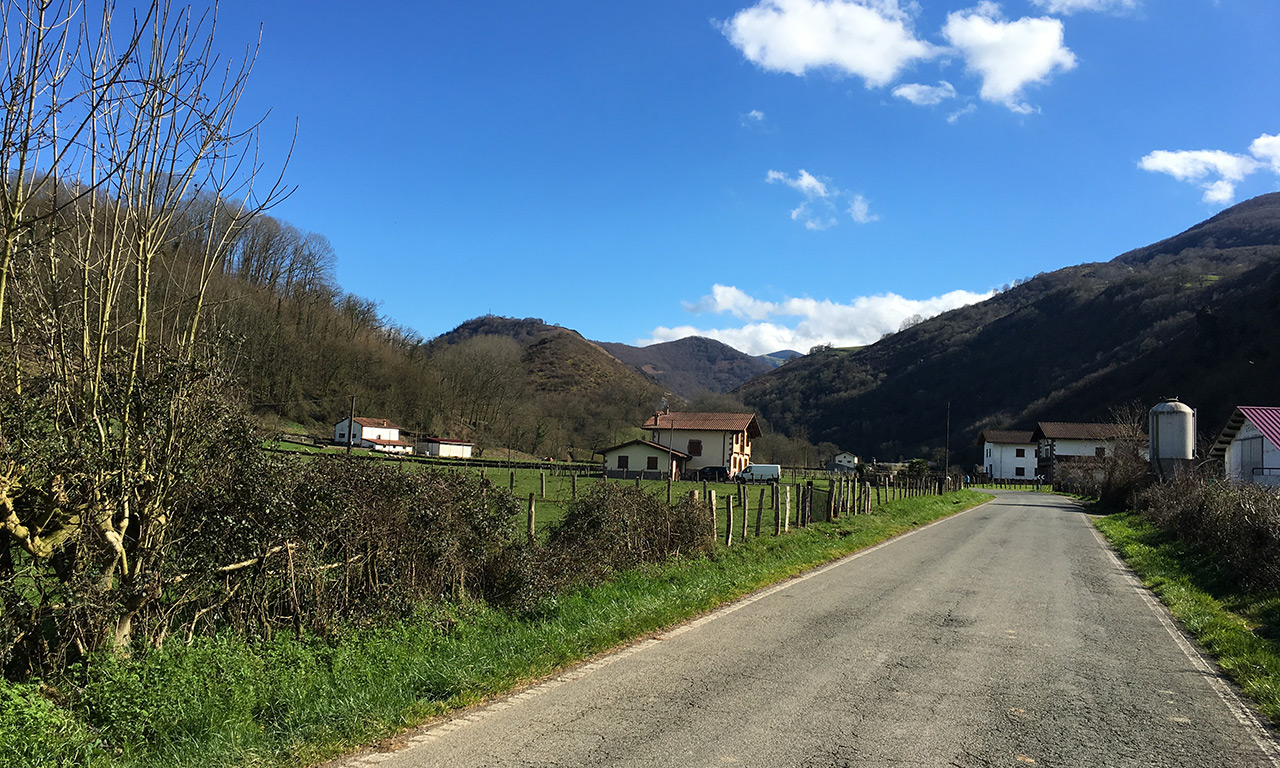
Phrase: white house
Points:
(1249, 445)
(439, 446)
(373, 434)
(708, 439)
(1059, 442)
(1009, 454)
(656, 461)
(843, 462)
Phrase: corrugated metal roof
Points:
(1008, 436)
(1266, 418)
(716, 422)
(1066, 430)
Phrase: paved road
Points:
(1006, 636)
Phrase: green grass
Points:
(1238, 627)
(224, 702)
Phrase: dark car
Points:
(712, 474)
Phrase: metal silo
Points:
(1171, 426)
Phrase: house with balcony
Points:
(708, 439)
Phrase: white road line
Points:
(431, 733)
(1220, 685)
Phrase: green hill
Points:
(1189, 316)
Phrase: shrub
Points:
(1239, 523)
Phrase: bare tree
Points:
(127, 183)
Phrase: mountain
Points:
(1187, 317)
(781, 357)
(691, 365)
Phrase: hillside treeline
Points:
(1188, 317)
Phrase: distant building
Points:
(843, 462)
(439, 446)
(1249, 446)
(1061, 442)
(1009, 454)
(373, 434)
(708, 439)
(648, 459)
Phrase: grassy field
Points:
(224, 702)
(1239, 628)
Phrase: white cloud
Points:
(1215, 171)
(752, 119)
(819, 209)
(870, 39)
(860, 210)
(1009, 56)
(968, 109)
(862, 321)
(755, 115)
(1073, 6)
(804, 182)
(926, 95)
(1267, 149)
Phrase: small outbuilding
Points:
(439, 446)
(642, 458)
(1249, 445)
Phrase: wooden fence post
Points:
(542, 476)
(746, 511)
(513, 480)
(531, 518)
(668, 489)
(728, 520)
(759, 512)
(786, 512)
(711, 504)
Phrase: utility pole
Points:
(351, 423)
(946, 453)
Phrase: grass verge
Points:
(288, 702)
(1239, 628)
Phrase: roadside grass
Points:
(1238, 627)
(288, 701)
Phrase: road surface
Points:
(1005, 636)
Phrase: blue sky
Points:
(774, 174)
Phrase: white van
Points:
(760, 473)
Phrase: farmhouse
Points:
(439, 446)
(1249, 446)
(1061, 442)
(843, 462)
(646, 459)
(373, 434)
(708, 439)
(1008, 454)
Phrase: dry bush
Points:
(1239, 523)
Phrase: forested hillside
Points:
(1190, 316)
(692, 365)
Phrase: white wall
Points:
(1002, 460)
(1250, 449)
(719, 449)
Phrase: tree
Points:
(127, 183)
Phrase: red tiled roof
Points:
(1265, 417)
(714, 422)
(375, 423)
(444, 441)
(1066, 430)
(1008, 436)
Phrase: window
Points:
(1100, 451)
(653, 462)
(624, 462)
(1021, 453)
(695, 448)
(1020, 471)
